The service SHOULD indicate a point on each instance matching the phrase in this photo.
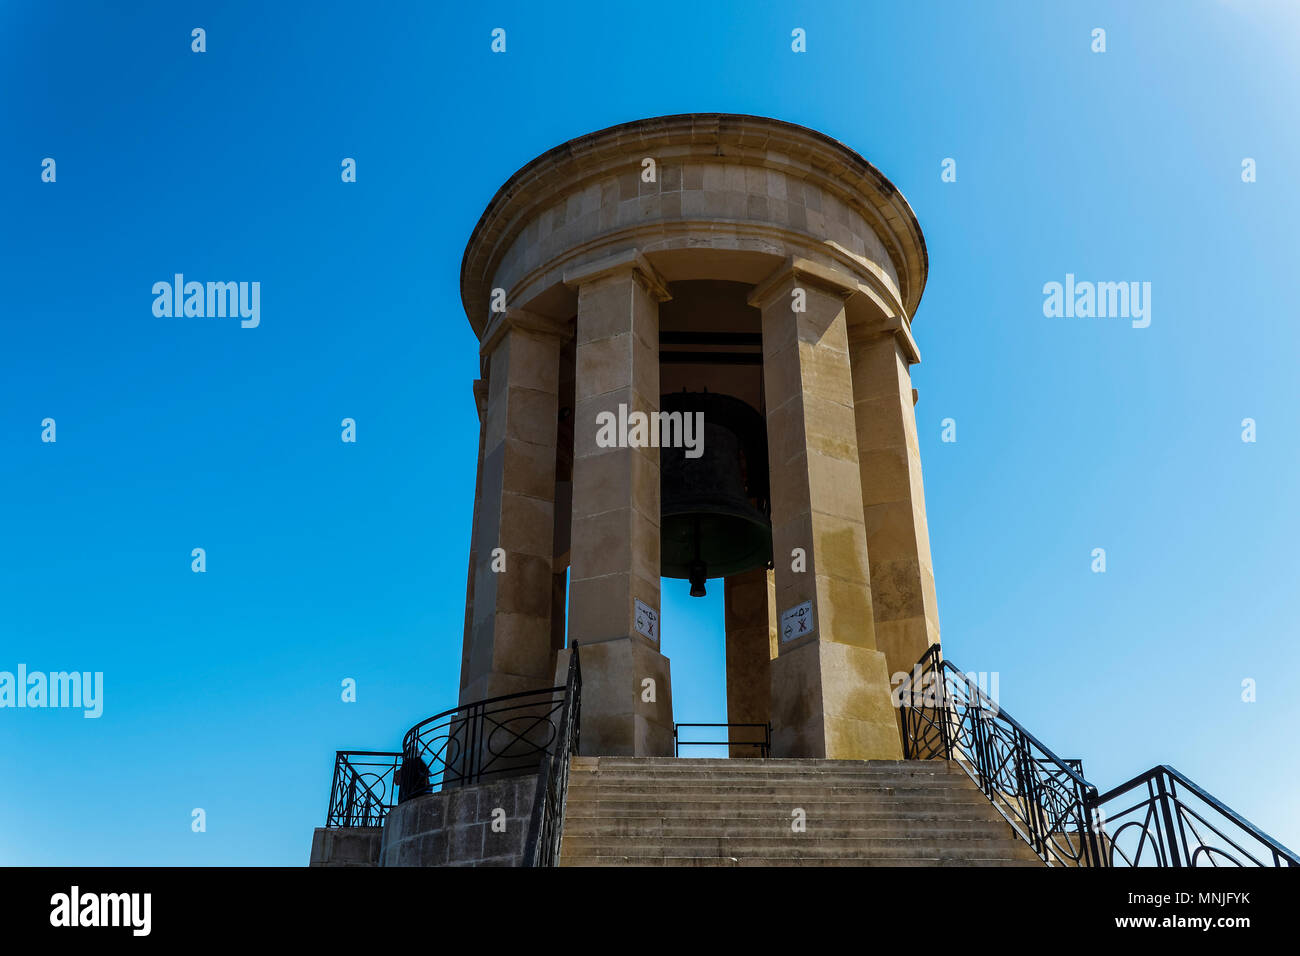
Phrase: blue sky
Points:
(329, 560)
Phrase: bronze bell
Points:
(715, 517)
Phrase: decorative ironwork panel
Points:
(1163, 819)
(501, 736)
(1159, 818)
(365, 788)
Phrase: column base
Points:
(616, 721)
(832, 701)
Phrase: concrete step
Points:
(628, 826)
(744, 762)
(719, 812)
(868, 771)
(758, 765)
(865, 781)
(668, 791)
(810, 857)
(770, 861)
(868, 799)
(804, 846)
(740, 765)
(712, 804)
(633, 828)
(847, 812)
(769, 844)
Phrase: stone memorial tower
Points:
(695, 340)
(759, 279)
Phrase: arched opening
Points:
(716, 544)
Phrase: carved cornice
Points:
(628, 261)
(521, 319)
(715, 137)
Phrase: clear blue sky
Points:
(328, 560)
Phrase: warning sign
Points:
(647, 621)
(797, 622)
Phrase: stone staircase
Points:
(663, 811)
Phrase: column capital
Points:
(797, 269)
(887, 317)
(890, 325)
(523, 320)
(628, 261)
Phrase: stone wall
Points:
(767, 189)
(346, 846)
(455, 827)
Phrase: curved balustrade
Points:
(488, 739)
(500, 736)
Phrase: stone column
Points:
(467, 641)
(830, 692)
(614, 550)
(751, 645)
(511, 644)
(893, 499)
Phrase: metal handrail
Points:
(1037, 802)
(764, 746)
(1041, 795)
(984, 699)
(480, 704)
(546, 824)
(1168, 816)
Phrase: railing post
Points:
(1163, 795)
(476, 732)
(351, 792)
(472, 732)
(577, 706)
(941, 707)
(1095, 835)
(334, 793)
(1033, 794)
(979, 737)
(905, 722)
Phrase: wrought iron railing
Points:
(365, 788)
(1052, 805)
(488, 739)
(546, 828)
(1175, 823)
(946, 715)
(761, 748)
